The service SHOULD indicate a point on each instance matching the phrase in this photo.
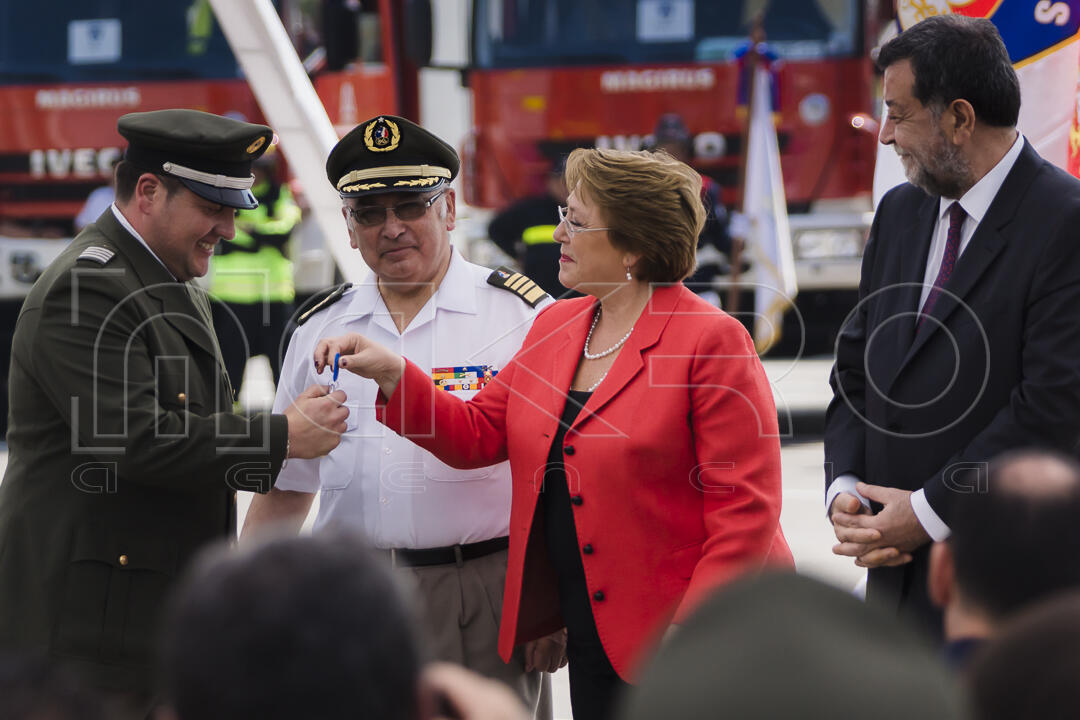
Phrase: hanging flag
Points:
(1074, 136)
(765, 209)
(1044, 45)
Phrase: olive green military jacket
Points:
(124, 455)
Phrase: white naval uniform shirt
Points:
(375, 481)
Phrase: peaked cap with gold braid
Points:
(390, 154)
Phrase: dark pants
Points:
(246, 330)
(595, 688)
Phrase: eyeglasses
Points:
(373, 215)
(572, 227)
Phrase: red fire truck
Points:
(550, 75)
(70, 68)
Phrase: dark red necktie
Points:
(948, 260)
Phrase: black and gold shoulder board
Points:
(515, 282)
(320, 301)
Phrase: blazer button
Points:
(181, 397)
(577, 499)
(569, 449)
(123, 560)
(598, 596)
(587, 549)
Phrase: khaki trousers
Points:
(460, 608)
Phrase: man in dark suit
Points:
(125, 455)
(966, 339)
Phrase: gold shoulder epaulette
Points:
(322, 300)
(515, 282)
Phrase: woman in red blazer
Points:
(638, 422)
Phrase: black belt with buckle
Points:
(449, 555)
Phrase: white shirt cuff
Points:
(843, 483)
(299, 476)
(932, 523)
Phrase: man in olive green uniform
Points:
(124, 456)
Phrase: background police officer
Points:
(526, 230)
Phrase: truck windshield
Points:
(72, 41)
(535, 33)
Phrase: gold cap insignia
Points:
(381, 135)
(364, 187)
(254, 147)
(418, 182)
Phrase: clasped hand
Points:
(316, 422)
(881, 540)
(546, 654)
(362, 357)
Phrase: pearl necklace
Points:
(603, 353)
(597, 383)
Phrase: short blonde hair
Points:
(651, 202)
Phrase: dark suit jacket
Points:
(124, 456)
(675, 461)
(996, 365)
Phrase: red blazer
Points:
(674, 463)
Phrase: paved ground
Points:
(801, 386)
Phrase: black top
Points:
(565, 548)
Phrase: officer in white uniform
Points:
(400, 495)
(446, 528)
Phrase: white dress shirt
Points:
(128, 226)
(375, 481)
(975, 202)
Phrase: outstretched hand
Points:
(362, 357)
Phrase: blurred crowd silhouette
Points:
(290, 627)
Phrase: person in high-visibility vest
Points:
(251, 277)
(526, 232)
